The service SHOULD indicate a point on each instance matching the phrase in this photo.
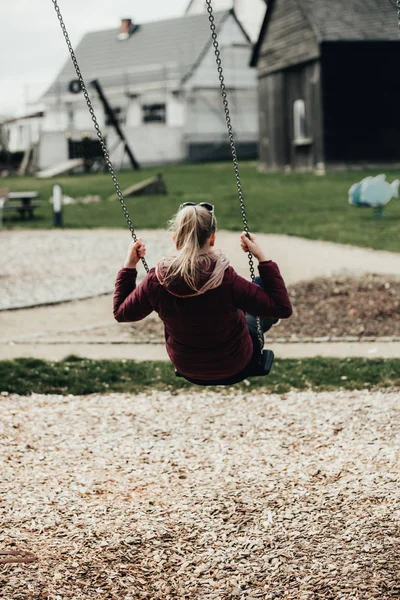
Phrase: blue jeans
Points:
(251, 320)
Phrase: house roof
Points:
(343, 20)
(36, 115)
(156, 52)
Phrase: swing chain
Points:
(97, 127)
(398, 13)
(225, 102)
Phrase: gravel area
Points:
(201, 495)
(41, 267)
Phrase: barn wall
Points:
(274, 147)
(278, 93)
(361, 95)
(303, 82)
(289, 39)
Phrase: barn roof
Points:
(156, 52)
(343, 20)
(348, 20)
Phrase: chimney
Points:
(125, 30)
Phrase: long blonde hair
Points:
(192, 226)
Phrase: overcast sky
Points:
(32, 47)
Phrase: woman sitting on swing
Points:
(209, 312)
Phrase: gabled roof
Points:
(156, 52)
(36, 115)
(348, 20)
(342, 20)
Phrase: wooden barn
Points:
(329, 91)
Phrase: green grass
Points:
(82, 376)
(297, 204)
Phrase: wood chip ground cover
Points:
(337, 307)
(201, 495)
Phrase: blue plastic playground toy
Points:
(373, 192)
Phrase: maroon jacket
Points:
(206, 335)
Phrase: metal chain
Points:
(233, 146)
(228, 123)
(97, 128)
(398, 13)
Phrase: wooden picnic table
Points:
(22, 202)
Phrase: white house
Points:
(249, 12)
(161, 80)
(21, 133)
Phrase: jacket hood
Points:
(210, 276)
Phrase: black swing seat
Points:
(264, 366)
(261, 369)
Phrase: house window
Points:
(299, 119)
(117, 111)
(87, 148)
(153, 113)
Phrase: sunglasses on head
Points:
(205, 205)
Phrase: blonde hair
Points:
(192, 226)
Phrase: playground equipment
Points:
(65, 167)
(114, 122)
(149, 187)
(374, 192)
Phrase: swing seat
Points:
(262, 369)
(264, 366)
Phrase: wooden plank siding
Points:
(277, 94)
(324, 53)
(274, 147)
(289, 39)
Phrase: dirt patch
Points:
(344, 307)
(338, 307)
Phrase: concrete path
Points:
(38, 331)
(41, 267)
(141, 352)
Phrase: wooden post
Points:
(3, 200)
(57, 205)
(379, 212)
